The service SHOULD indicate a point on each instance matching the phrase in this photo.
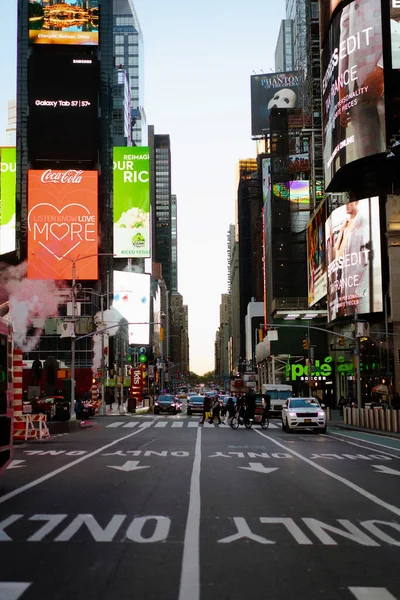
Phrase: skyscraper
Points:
(128, 48)
(284, 47)
(174, 244)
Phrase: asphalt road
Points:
(162, 508)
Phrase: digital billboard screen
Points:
(132, 301)
(63, 107)
(62, 224)
(316, 259)
(266, 177)
(353, 259)
(297, 192)
(7, 199)
(353, 87)
(131, 202)
(275, 90)
(66, 22)
(395, 32)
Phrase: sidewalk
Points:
(337, 421)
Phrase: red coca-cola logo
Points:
(71, 176)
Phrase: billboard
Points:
(7, 199)
(132, 301)
(62, 224)
(353, 87)
(275, 90)
(131, 202)
(316, 259)
(67, 22)
(353, 259)
(299, 163)
(297, 192)
(266, 177)
(395, 32)
(63, 107)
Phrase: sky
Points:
(199, 57)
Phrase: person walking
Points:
(206, 408)
(230, 410)
(267, 407)
(341, 404)
(216, 410)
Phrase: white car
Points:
(303, 413)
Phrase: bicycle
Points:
(240, 419)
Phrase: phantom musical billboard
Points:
(268, 91)
(67, 22)
(132, 202)
(132, 301)
(353, 87)
(316, 259)
(7, 199)
(62, 224)
(353, 259)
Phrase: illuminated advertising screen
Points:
(63, 107)
(275, 90)
(66, 22)
(316, 259)
(62, 224)
(326, 8)
(395, 32)
(266, 177)
(297, 192)
(352, 87)
(7, 199)
(132, 301)
(132, 202)
(353, 259)
(298, 163)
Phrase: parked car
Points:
(303, 413)
(195, 404)
(165, 403)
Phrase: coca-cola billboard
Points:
(63, 107)
(62, 224)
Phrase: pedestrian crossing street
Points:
(159, 424)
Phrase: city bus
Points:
(6, 394)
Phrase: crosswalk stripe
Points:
(177, 424)
(130, 424)
(161, 424)
(193, 424)
(115, 424)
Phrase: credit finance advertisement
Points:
(316, 258)
(66, 22)
(132, 301)
(62, 224)
(131, 202)
(63, 118)
(353, 259)
(7, 199)
(395, 32)
(275, 90)
(353, 87)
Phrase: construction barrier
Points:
(381, 419)
(30, 427)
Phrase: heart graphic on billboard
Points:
(59, 231)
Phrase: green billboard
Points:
(7, 199)
(131, 202)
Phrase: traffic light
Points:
(142, 355)
(306, 345)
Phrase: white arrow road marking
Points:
(12, 590)
(16, 464)
(259, 468)
(370, 593)
(130, 465)
(385, 469)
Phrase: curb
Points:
(391, 434)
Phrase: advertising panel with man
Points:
(132, 202)
(268, 91)
(316, 259)
(62, 224)
(353, 258)
(353, 87)
(7, 199)
(65, 22)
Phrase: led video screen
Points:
(63, 107)
(66, 22)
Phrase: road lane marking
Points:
(346, 441)
(385, 469)
(193, 424)
(365, 441)
(190, 575)
(259, 468)
(177, 424)
(370, 593)
(16, 464)
(12, 590)
(130, 465)
(350, 484)
(36, 482)
(161, 424)
(130, 424)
